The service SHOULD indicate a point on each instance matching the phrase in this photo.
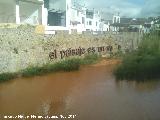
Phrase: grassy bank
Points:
(7, 76)
(64, 65)
(144, 63)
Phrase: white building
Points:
(21, 11)
(93, 21)
(70, 15)
(56, 14)
(50, 13)
(116, 20)
(106, 27)
(77, 16)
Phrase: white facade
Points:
(115, 20)
(89, 24)
(106, 27)
(93, 21)
(77, 16)
(21, 11)
(97, 21)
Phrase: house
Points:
(68, 15)
(106, 25)
(65, 15)
(116, 18)
(136, 25)
(53, 14)
(130, 24)
(156, 24)
(77, 16)
(146, 28)
(57, 15)
(115, 22)
(21, 11)
(93, 20)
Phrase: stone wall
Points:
(21, 47)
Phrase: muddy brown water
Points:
(92, 93)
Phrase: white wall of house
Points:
(12, 11)
(79, 17)
(114, 29)
(106, 27)
(89, 24)
(7, 11)
(95, 23)
(76, 17)
(116, 19)
(29, 13)
(68, 13)
(44, 16)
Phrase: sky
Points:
(127, 8)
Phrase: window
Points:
(46, 4)
(90, 22)
(83, 20)
(77, 13)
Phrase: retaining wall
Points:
(21, 47)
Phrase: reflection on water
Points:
(145, 86)
(91, 93)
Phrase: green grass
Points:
(7, 76)
(90, 59)
(64, 65)
(144, 63)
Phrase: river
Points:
(92, 93)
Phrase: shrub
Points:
(142, 63)
(65, 65)
(90, 59)
(7, 76)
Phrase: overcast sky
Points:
(128, 8)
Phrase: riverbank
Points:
(64, 65)
(143, 63)
(67, 65)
